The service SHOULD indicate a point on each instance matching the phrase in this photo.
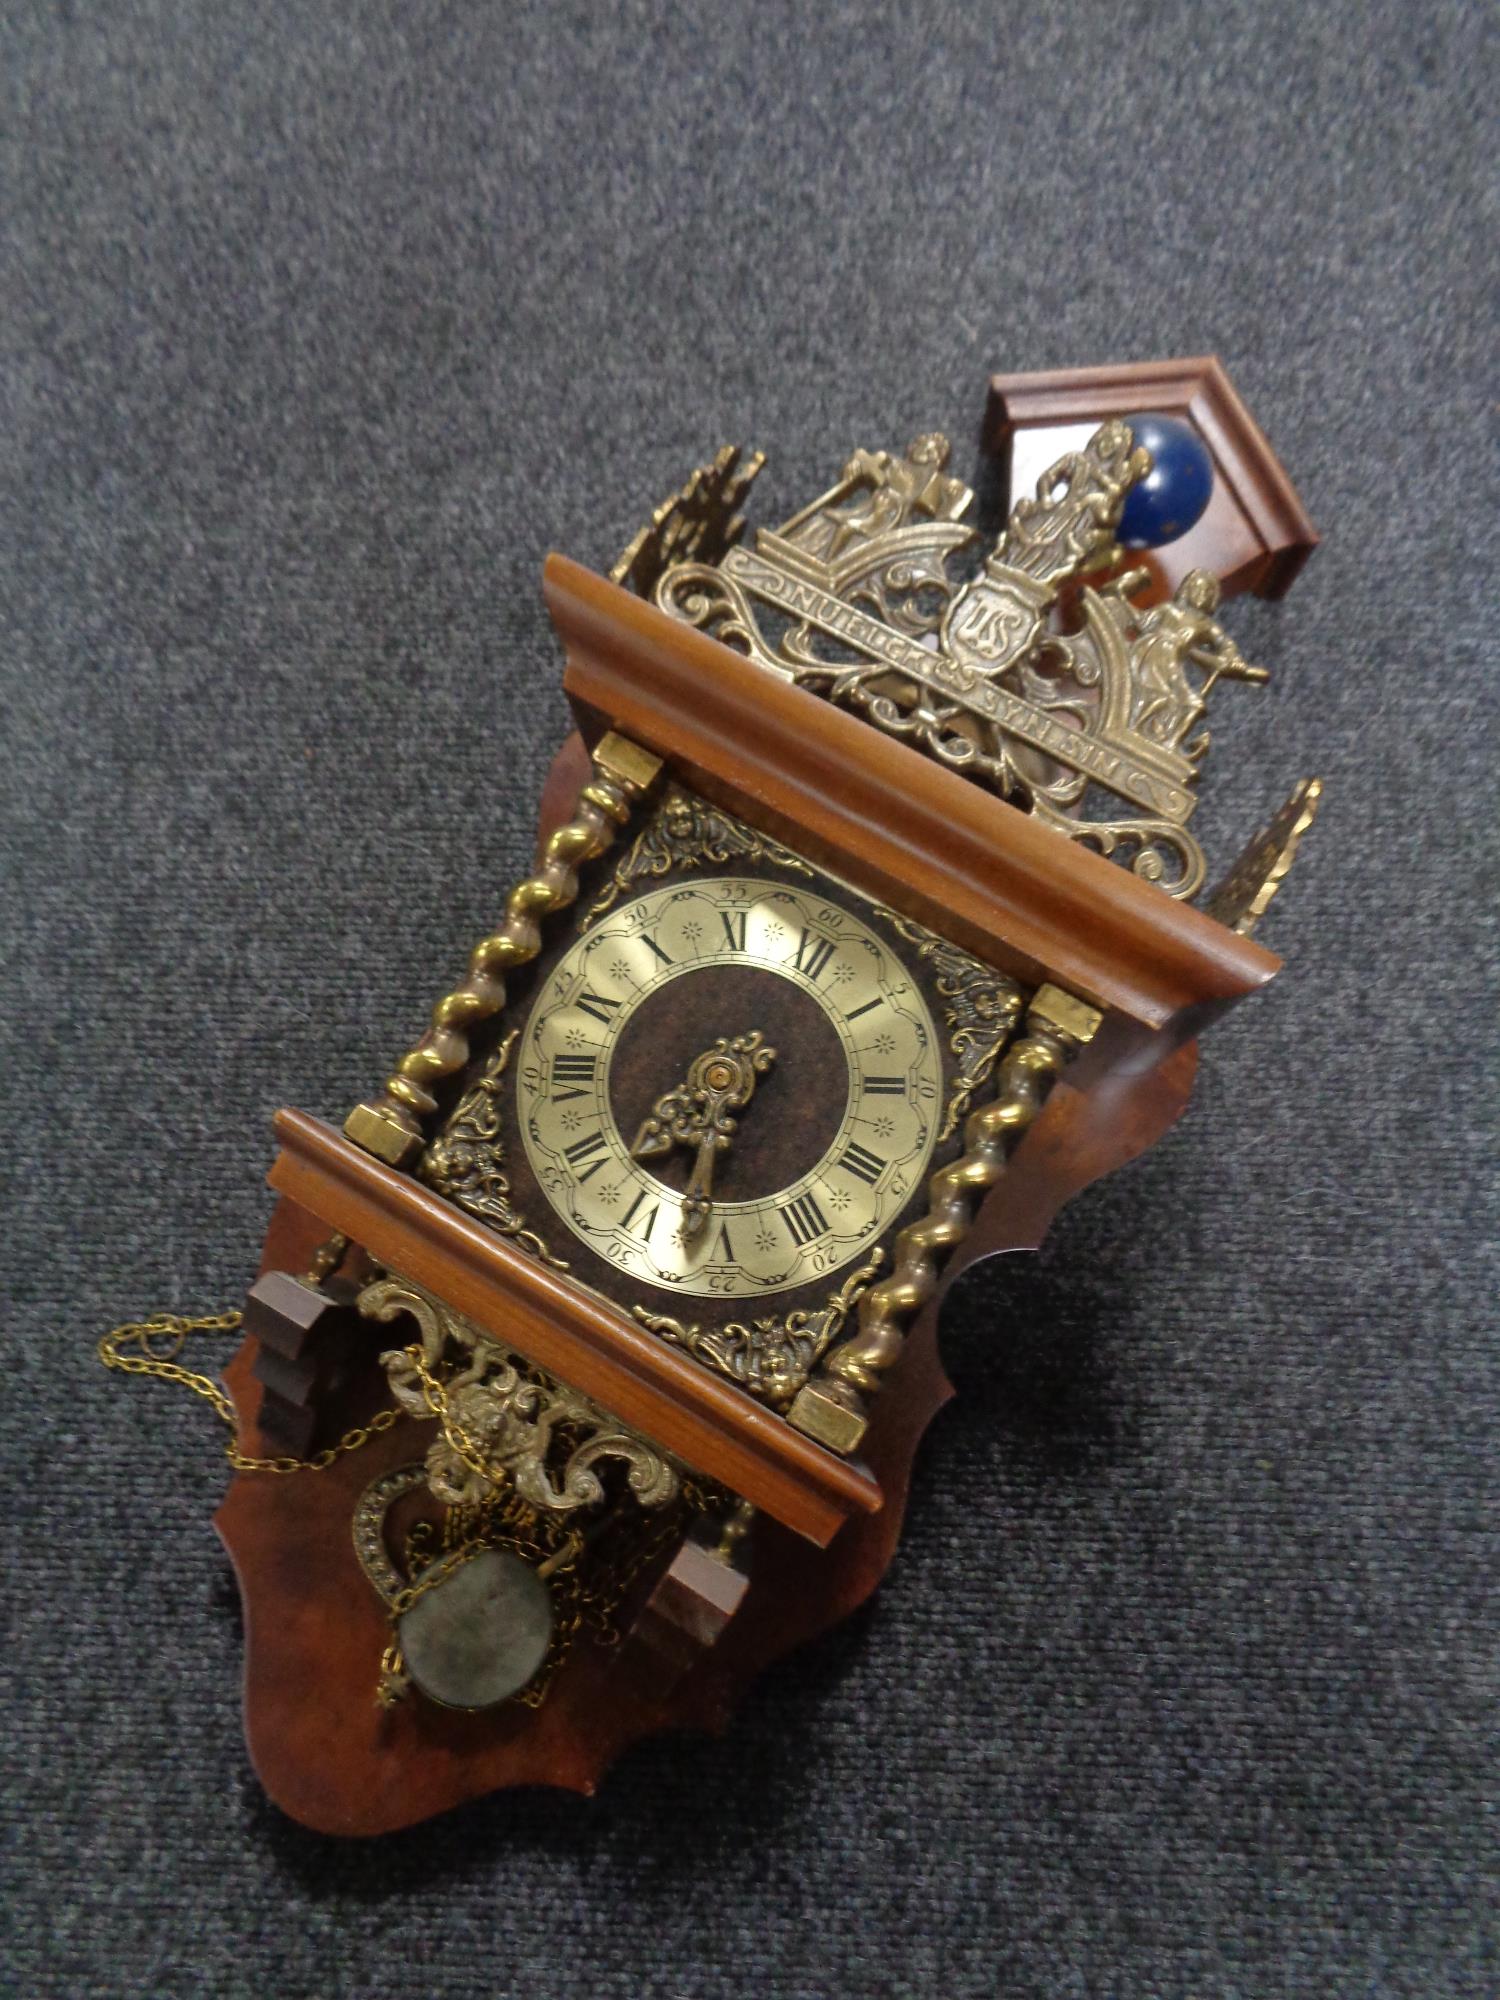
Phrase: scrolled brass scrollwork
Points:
(504, 1423)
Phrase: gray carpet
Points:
(322, 324)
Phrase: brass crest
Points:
(861, 598)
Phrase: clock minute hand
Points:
(697, 1114)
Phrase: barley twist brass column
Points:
(831, 1407)
(390, 1126)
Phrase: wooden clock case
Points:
(930, 845)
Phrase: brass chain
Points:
(438, 1572)
(599, 1601)
(151, 1347)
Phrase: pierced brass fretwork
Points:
(854, 598)
(504, 1423)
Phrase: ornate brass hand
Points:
(696, 1114)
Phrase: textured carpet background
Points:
(322, 324)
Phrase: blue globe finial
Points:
(1174, 493)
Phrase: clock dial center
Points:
(699, 1115)
(799, 1099)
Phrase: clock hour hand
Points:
(697, 1114)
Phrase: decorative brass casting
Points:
(504, 1422)
(981, 1007)
(390, 1126)
(831, 1408)
(875, 548)
(772, 1357)
(697, 1114)
(466, 1162)
(368, 1528)
(853, 598)
(1245, 894)
(683, 832)
(1066, 530)
(697, 524)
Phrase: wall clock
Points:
(587, 1360)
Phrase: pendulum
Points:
(481, 1634)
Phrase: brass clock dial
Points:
(730, 1086)
(725, 1094)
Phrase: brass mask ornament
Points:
(605, 1329)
